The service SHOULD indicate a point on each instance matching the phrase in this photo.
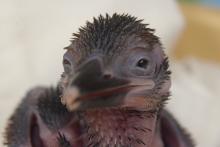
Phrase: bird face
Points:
(102, 71)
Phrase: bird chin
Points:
(128, 123)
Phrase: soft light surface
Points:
(195, 99)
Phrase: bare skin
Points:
(112, 92)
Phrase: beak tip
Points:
(69, 98)
(73, 107)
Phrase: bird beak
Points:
(92, 88)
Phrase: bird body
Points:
(115, 83)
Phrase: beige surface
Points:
(201, 37)
(196, 83)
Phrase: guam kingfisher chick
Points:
(112, 92)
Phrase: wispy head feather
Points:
(107, 33)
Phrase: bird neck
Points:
(110, 127)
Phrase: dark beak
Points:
(92, 78)
(92, 87)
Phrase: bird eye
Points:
(142, 63)
(67, 65)
(137, 63)
(66, 62)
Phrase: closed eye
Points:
(66, 62)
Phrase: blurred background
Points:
(34, 33)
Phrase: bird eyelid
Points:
(70, 56)
(68, 61)
(137, 71)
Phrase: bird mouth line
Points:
(108, 92)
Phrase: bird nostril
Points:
(107, 76)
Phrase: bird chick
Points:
(112, 92)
